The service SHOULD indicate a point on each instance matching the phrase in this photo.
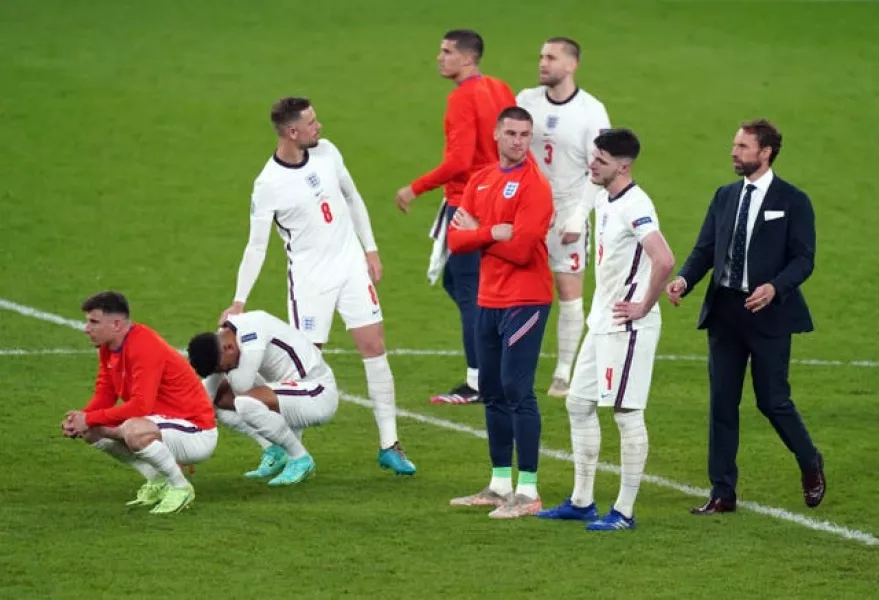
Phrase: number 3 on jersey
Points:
(325, 209)
(547, 154)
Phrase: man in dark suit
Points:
(758, 239)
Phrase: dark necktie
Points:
(740, 238)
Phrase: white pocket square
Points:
(771, 215)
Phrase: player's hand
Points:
(404, 198)
(464, 221)
(236, 309)
(624, 312)
(760, 298)
(67, 427)
(502, 232)
(76, 420)
(374, 264)
(675, 289)
(569, 237)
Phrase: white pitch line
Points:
(771, 511)
(28, 311)
(45, 351)
(778, 513)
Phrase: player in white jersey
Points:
(305, 190)
(615, 363)
(269, 382)
(566, 121)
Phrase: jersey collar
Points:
(622, 192)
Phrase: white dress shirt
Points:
(762, 185)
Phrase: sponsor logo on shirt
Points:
(642, 221)
(510, 189)
(248, 337)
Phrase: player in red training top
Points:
(471, 113)
(166, 417)
(506, 213)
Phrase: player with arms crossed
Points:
(505, 213)
(566, 121)
(305, 190)
(269, 382)
(165, 418)
(615, 363)
(471, 115)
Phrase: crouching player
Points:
(165, 419)
(299, 390)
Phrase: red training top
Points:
(471, 115)
(515, 272)
(152, 378)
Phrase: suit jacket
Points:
(781, 252)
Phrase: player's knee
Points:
(139, 433)
(370, 340)
(245, 405)
(628, 418)
(579, 406)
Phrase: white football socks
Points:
(570, 330)
(501, 480)
(159, 456)
(120, 452)
(233, 421)
(380, 388)
(270, 425)
(586, 444)
(633, 457)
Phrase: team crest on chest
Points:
(552, 121)
(510, 189)
(313, 180)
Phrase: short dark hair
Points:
(467, 40)
(768, 135)
(111, 303)
(570, 46)
(517, 113)
(204, 353)
(286, 110)
(619, 143)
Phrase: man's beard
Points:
(746, 169)
(550, 80)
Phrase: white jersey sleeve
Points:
(252, 345)
(640, 216)
(598, 122)
(262, 215)
(359, 214)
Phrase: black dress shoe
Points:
(814, 484)
(714, 506)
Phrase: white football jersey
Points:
(564, 135)
(622, 269)
(273, 350)
(307, 203)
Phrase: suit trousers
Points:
(732, 340)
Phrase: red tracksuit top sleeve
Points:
(530, 224)
(460, 145)
(144, 362)
(460, 241)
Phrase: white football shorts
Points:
(567, 258)
(356, 302)
(615, 369)
(307, 403)
(187, 442)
